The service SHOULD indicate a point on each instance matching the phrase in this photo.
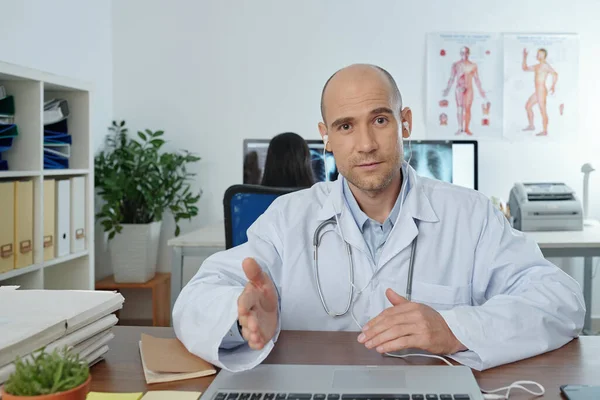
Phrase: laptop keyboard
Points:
(334, 396)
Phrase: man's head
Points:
(464, 52)
(542, 54)
(362, 115)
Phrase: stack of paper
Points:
(167, 360)
(34, 319)
(57, 141)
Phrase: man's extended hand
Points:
(409, 325)
(257, 306)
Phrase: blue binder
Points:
(57, 137)
(60, 126)
(5, 143)
(52, 161)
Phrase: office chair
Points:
(242, 205)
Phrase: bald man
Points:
(471, 288)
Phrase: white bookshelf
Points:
(30, 88)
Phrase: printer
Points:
(545, 207)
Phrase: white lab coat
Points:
(491, 284)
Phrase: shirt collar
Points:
(361, 218)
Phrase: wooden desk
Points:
(160, 286)
(576, 362)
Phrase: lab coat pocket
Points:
(440, 297)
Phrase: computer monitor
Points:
(452, 161)
(255, 154)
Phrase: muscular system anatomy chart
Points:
(464, 85)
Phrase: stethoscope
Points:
(316, 241)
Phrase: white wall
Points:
(212, 73)
(70, 38)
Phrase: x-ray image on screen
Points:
(320, 169)
(431, 160)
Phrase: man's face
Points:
(363, 123)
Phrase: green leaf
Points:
(142, 136)
(157, 142)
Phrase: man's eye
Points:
(345, 127)
(381, 120)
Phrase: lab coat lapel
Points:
(416, 208)
(336, 204)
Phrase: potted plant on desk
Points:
(59, 375)
(137, 184)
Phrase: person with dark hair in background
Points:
(288, 162)
(251, 169)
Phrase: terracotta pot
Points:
(78, 393)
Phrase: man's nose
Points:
(366, 140)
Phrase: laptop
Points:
(337, 382)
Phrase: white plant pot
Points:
(133, 252)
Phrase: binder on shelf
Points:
(7, 106)
(52, 161)
(55, 110)
(78, 214)
(56, 137)
(7, 226)
(49, 218)
(60, 126)
(23, 223)
(57, 147)
(63, 217)
(8, 131)
(61, 150)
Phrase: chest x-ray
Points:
(431, 160)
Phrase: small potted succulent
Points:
(59, 375)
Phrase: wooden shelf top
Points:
(109, 283)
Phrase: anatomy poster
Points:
(540, 86)
(464, 85)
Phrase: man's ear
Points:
(406, 116)
(323, 132)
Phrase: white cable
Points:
(515, 385)
(420, 355)
(488, 394)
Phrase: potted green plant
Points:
(137, 183)
(60, 375)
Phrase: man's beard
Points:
(375, 183)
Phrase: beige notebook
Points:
(167, 360)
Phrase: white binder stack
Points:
(34, 319)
